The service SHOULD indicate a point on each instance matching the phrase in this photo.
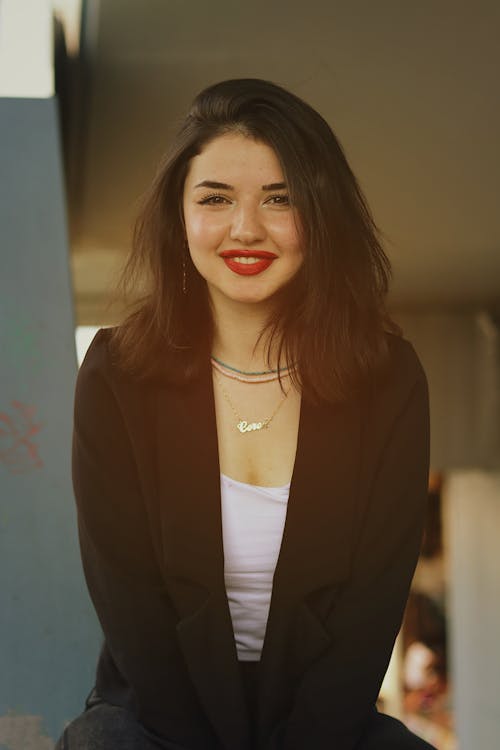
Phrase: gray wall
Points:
(48, 633)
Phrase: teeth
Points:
(246, 260)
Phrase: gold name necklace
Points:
(243, 425)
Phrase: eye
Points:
(281, 199)
(214, 199)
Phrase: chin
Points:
(247, 295)
(252, 299)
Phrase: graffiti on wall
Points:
(19, 452)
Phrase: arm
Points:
(336, 695)
(121, 570)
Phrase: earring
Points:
(184, 269)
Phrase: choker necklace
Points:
(264, 376)
(244, 425)
(245, 372)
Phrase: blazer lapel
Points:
(315, 552)
(189, 479)
(313, 562)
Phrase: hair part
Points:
(330, 319)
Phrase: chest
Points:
(262, 456)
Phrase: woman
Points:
(250, 451)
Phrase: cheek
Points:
(202, 229)
(194, 227)
(291, 242)
(286, 233)
(201, 224)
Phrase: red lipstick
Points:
(263, 260)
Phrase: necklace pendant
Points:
(244, 426)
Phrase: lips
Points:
(247, 262)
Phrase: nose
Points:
(246, 225)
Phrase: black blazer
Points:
(147, 485)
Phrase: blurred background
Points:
(91, 91)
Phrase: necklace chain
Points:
(245, 372)
(242, 378)
(244, 425)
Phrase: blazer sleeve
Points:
(337, 694)
(122, 574)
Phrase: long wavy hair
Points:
(330, 320)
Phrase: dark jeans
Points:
(105, 727)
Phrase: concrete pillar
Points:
(472, 531)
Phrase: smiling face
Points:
(241, 229)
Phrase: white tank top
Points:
(253, 519)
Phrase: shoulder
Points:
(100, 363)
(98, 376)
(95, 367)
(105, 396)
(403, 372)
(395, 423)
(402, 384)
(106, 390)
(109, 357)
(403, 356)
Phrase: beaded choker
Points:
(264, 376)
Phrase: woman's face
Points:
(241, 230)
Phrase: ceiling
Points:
(410, 89)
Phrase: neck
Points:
(237, 331)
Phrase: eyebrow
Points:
(224, 186)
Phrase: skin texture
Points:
(244, 217)
(248, 217)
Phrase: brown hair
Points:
(331, 318)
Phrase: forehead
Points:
(235, 158)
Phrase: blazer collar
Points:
(314, 554)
